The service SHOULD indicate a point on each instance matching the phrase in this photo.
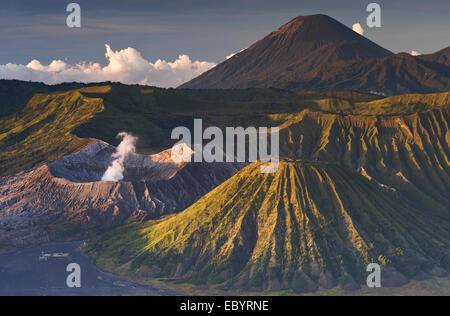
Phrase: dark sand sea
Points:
(23, 273)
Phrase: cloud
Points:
(358, 28)
(126, 66)
(415, 53)
(232, 54)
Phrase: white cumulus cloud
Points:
(357, 27)
(126, 66)
(415, 53)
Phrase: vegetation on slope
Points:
(392, 75)
(309, 225)
(42, 131)
(401, 144)
(152, 113)
(408, 153)
(42, 127)
(51, 125)
(15, 94)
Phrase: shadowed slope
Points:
(441, 57)
(49, 126)
(304, 44)
(397, 74)
(409, 153)
(318, 52)
(42, 131)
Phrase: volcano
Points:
(318, 52)
(370, 184)
(362, 179)
(306, 227)
(69, 191)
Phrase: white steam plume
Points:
(116, 169)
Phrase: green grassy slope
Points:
(47, 122)
(309, 225)
(42, 131)
(15, 94)
(383, 136)
(152, 113)
(313, 223)
(409, 152)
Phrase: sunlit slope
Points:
(409, 153)
(396, 105)
(40, 123)
(42, 131)
(309, 225)
(330, 126)
(404, 104)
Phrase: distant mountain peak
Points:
(319, 52)
(305, 34)
(316, 28)
(297, 48)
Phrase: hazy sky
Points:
(205, 30)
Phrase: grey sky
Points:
(203, 29)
